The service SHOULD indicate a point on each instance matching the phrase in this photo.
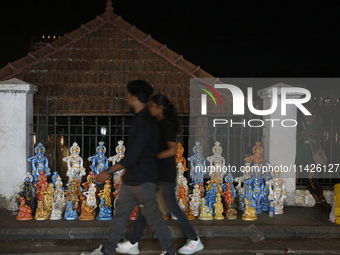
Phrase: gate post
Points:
(279, 143)
(16, 145)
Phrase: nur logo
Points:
(204, 97)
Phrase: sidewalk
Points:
(296, 222)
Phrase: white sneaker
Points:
(191, 247)
(95, 252)
(127, 247)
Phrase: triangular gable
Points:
(85, 71)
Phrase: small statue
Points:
(39, 163)
(134, 213)
(195, 201)
(180, 179)
(116, 194)
(75, 167)
(87, 212)
(217, 161)
(179, 156)
(56, 212)
(183, 196)
(27, 194)
(91, 196)
(41, 186)
(197, 163)
(248, 194)
(231, 213)
(54, 178)
(48, 198)
(257, 157)
(29, 179)
(59, 195)
(41, 213)
(266, 177)
(206, 211)
(218, 208)
(189, 214)
(120, 149)
(228, 197)
(105, 212)
(241, 190)
(214, 184)
(25, 211)
(210, 199)
(71, 195)
(277, 191)
(91, 178)
(249, 212)
(258, 189)
(99, 161)
(70, 214)
(106, 193)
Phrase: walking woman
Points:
(163, 110)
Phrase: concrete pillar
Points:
(16, 144)
(279, 143)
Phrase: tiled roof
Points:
(85, 71)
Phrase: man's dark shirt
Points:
(140, 160)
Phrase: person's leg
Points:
(138, 228)
(312, 186)
(147, 201)
(168, 192)
(126, 202)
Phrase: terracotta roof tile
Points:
(86, 71)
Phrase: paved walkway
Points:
(296, 222)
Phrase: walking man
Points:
(140, 179)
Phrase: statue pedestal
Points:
(16, 114)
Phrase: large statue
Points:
(99, 161)
(217, 161)
(120, 149)
(197, 163)
(257, 157)
(75, 167)
(179, 156)
(277, 191)
(39, 163)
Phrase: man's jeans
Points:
(168, 193)
(145, 197)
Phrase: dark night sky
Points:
(227, 39)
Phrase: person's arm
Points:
(171, 151)
(301, 137)
(136, 148)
